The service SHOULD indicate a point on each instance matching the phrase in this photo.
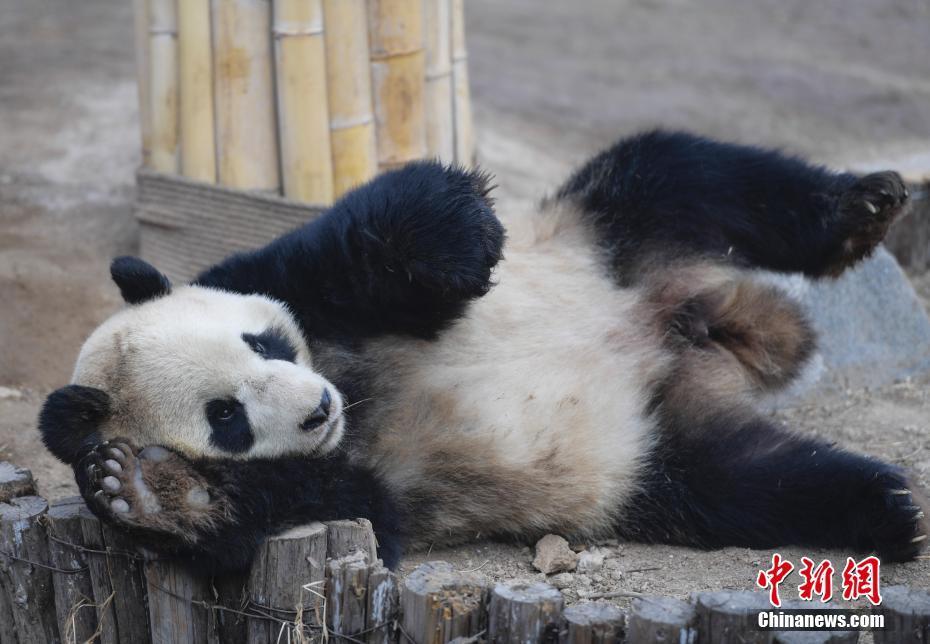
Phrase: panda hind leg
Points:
(663, 195)
(750, 484)
(734, 337)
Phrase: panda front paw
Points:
(866, 211)
(152, 489)
(444, 237)
(895, 520)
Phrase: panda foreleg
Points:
(747, 483)
(402, 254)
(671, 194)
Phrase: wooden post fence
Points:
(66, 577)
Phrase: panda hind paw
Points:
(898, 526)
(152, 489)
(866, 211)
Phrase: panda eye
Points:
(222, 411)
(271, 345)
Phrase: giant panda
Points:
(594, 371)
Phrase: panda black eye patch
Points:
(271, 344)
(230, 425)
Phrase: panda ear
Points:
(69, 421)
(138, 281)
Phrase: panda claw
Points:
(918, 539)
(898, 492)
(872, 208)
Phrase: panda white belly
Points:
(528, 414)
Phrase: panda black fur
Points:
(603, 381)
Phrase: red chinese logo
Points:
(772, 577)
(817, 581)
(860, 579)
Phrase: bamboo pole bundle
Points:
(398, 75)
(163, 85)
(348, 80)
(440, 126)
(198, 149)
(141, 29)
(464, 134)
(246, 139)
(303, 113)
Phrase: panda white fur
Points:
(600, 381)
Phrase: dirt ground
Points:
(842, 81)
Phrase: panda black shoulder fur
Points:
(601, 381)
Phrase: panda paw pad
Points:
(149, 488)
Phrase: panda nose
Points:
(319, 415)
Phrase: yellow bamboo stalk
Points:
(198, 146)
(348, 81)
(163, 85)
(141, 28)
(303, 114)
(464, 131)
(440, 126)
(398, 75)
(246, 139)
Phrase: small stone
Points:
(8, 393)
(553, 555)
(592, 559)
(562, 580)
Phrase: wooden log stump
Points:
(592, 623)
(347, 594)
(126, 571)
(816, 637)
(14, 482)
(74, 594)
(24, 577)
(662, 619)
(440, 604)
(351, 535)
(286, 585)
(730, 616)
(98, 566)
(176, 599)
(524, 612)
(907, 615)
(383, 602)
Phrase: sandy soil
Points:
(550, 85)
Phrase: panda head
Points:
(203, 371)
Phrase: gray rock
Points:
(872, 328)
(554, 555)
(562, 580)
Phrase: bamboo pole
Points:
(398, 75)
(198, 147)
(141, 29)
(246, 139)
(464, 132)
(163, 85)
(440, 125)
(348, 81)
(303, 113)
